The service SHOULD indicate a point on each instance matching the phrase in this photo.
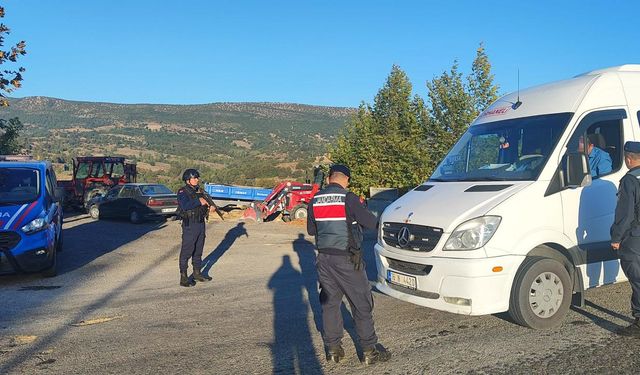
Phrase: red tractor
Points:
(289, 197)
(94, 175)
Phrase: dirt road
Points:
(116, 308)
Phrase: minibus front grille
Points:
(408, 267)
(8, 240)
(411, 236)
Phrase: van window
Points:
(515, 149)
(19, 185)
(49, 185)
(600, 136)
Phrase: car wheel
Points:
(52, 270)
(541, 293)
(134, 216)
(94, 212)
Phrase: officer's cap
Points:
(340, 168)
(633, 147)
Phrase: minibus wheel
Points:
(541, 293)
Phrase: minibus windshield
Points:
(508, 150)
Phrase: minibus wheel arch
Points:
(569, 260)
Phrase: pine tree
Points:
(385, 145)
(454, 104)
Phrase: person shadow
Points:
(307, 261)
(292, 350)
(232, 235)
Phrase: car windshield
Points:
(19, 185)
(155, 190)
(508, 150)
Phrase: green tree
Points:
(480, 82)
(454, 103)
(385, 145)
(9, 130)
(9, 80)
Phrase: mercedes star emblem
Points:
(404, 237)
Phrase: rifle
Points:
(203, 194)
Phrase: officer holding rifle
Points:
(193, 208)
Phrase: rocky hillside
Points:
(240, 143)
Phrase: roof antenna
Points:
(518, 103)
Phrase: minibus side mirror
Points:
(578, 170)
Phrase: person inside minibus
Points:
(599, 160)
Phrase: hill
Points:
(236, 143)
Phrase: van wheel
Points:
(541, 293)
(52, 271)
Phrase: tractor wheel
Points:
(299, 212)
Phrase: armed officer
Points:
(192, 210)
(336, 217)
(625, 231)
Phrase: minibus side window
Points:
(600, 136)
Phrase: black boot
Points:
(632, 330)
(184, 279)
(197, 276)
(375, 354)
(335, 353)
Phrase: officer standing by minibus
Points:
(625, 231)
(335, 217)
(192, 210)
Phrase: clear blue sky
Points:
(313, 52)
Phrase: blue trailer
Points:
(229, 195)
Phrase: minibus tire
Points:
(540, 271)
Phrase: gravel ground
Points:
(116, 308)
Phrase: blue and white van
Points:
(30, 217)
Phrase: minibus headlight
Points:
(35, 225)
(473, 234)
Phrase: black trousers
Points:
(630, 263)
(193, 236)
(338, 279)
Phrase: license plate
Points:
(401, 279)
(165, 210)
